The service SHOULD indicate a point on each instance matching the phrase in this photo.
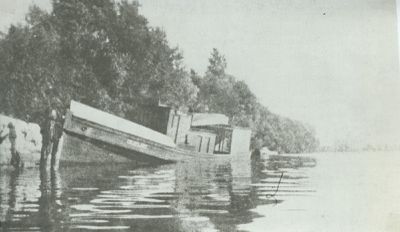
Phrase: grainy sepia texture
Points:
(212, 115)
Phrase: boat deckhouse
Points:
(200, 132)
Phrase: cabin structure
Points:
(207, 133)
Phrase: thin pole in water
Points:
(277, 187)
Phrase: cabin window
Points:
(201, 140)
(177, 128)
(223, 141)
(208, 144)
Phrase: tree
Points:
(217, 65)
(179, 92)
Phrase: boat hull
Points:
(87, 142)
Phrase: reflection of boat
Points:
(93, 136)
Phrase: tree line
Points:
(104, 54)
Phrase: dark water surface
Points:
(233, 195)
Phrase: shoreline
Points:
(28, 141)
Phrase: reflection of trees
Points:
(12, 196)
(48, 216)
(202, 194)
(277, 162)
(33, 200)
(220, 191)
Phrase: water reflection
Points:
(31, 200)
(50, 215)
(195, 196)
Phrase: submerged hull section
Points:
(77, 150)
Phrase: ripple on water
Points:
(204, 196)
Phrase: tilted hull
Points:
(89, 142)
(92, 136)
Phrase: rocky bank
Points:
(28, 142)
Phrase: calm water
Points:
(319, 192)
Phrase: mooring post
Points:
(12, 136)
(48, 129)
(57, 154)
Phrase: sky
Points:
(333, 64)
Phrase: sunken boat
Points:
(154, 134)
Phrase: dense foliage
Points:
(106, 55)
(220, 92)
